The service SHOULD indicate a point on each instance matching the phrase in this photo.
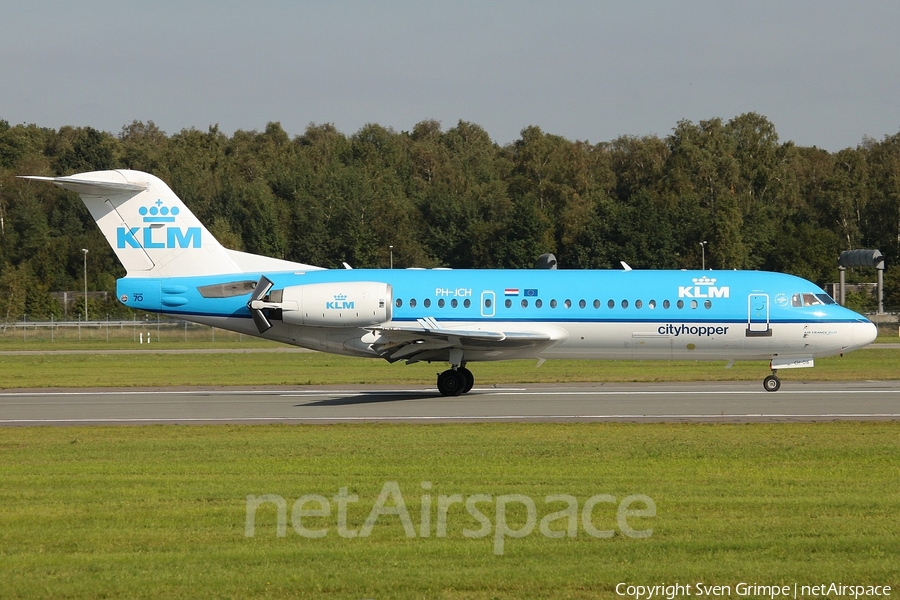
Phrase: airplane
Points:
(175, 267)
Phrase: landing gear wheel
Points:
(451, 383)
(772, 383)
(470, 379)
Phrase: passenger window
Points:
(638, 303)
(596, 304)
(454, 303)
(694, 304)
(582, 304)
(525, 303)
(652, 304)
(467, 303)
(553, 304)
(508, 303)
(441, 303)
(412, 302)
(708, 304)
(537, 303)
(567, 303)
(427, 302)
(666, 304)
(398, 303)
(624, 303)
(611, 304)
(680, 304)
(487, 302)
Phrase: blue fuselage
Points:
(598, 314)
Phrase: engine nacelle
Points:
(350, 304)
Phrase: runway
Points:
(638, 402)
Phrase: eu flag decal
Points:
(531, 293)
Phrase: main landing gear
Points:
(455, 381)
(772, 383)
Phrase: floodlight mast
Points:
(863, 258)
(85, 251)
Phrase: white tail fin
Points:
(153, 233)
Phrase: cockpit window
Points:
(811, 299)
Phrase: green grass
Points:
(160, 511)
(167, 335)
(153, 512)
(313, 368)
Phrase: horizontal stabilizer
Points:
(91, 187)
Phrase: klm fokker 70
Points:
(175, 267)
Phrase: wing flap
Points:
(410, 342)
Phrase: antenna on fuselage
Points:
(546, 261)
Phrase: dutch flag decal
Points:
(511, 292)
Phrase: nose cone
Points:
(864, 333)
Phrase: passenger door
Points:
(758, 315)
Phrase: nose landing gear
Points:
(772, 383)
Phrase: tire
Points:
(772, 383)
(469, 378)
(451, 383)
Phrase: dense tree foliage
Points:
(455, 198)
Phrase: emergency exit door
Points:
(488, 299)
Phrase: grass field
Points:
(153, 512)
(161, 511)
(151, 368)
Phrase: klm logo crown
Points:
(340, 302)
(703, 281)
(158, 213)
(153, 235)
(704, 287)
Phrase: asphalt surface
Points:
(675, 402)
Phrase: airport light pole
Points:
(392, 256)
(85, 251)
(703, 251)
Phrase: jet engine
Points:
(349, 304)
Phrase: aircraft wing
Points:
(430, 340)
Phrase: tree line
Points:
(454, 198)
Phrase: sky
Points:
(825, 73)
